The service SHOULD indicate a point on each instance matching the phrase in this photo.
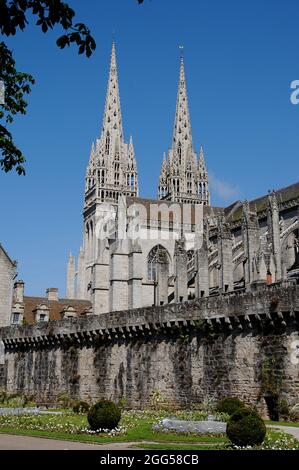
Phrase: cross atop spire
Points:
(112, 122)
(182, 135)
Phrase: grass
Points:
(136, 427)
(177, 447)
(283, 423)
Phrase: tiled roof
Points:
(55, 307)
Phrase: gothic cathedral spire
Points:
(112, 168)
(183, 177)
(112, 121)
(182, 135)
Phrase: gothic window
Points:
(107, 146)
(199, 190)
(154, 256)
(132, 181)
(180, 152)
(190, 263)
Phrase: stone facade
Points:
(7, 274)
(130, 256)
(240, 344)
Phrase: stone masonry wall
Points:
(7, 271)
(234, 344)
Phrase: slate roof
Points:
(234, 211)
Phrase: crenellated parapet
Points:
(265, 306)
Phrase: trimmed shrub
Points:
(103, 415)
(81, 407)
(229, 405)
(246, 428)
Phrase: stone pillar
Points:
(251, 242)
(135, 275)
(70, 280)
(274, 231)
(119, 276)
(162, 278)
(101, 279)
(81, 290)
(201, 261)
(180, 269)
(225, 256)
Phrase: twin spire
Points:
(112, 166)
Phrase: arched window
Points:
(157, 255)
(107, 146)
(180, 152)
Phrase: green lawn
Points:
(136, 427)
(283, 423)
(178, 447)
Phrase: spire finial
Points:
(181, 47)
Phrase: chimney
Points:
(52, 294)
(19, 291)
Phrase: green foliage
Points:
(13, 19)
(81, 407)
(270, 378)
(208, 404)
(246, 428)
(48, 13)
(14, 400)
(17, 85)
(229, 405)
(122, 403)
(104, 415)
(157, 401)
(294, 412)
(64, 401)
(283, 409)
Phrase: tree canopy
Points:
(13, 19)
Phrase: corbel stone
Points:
(228, 322)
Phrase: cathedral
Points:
(140, 252)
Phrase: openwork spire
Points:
(182, 135)
(112, 122)
(183, 177)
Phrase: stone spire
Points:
(70, 285)
(112, 167)
(112, 121)
(182, 135)
(162, 191)
(203, 179)
(182, 178)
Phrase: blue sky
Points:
(240, 58)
